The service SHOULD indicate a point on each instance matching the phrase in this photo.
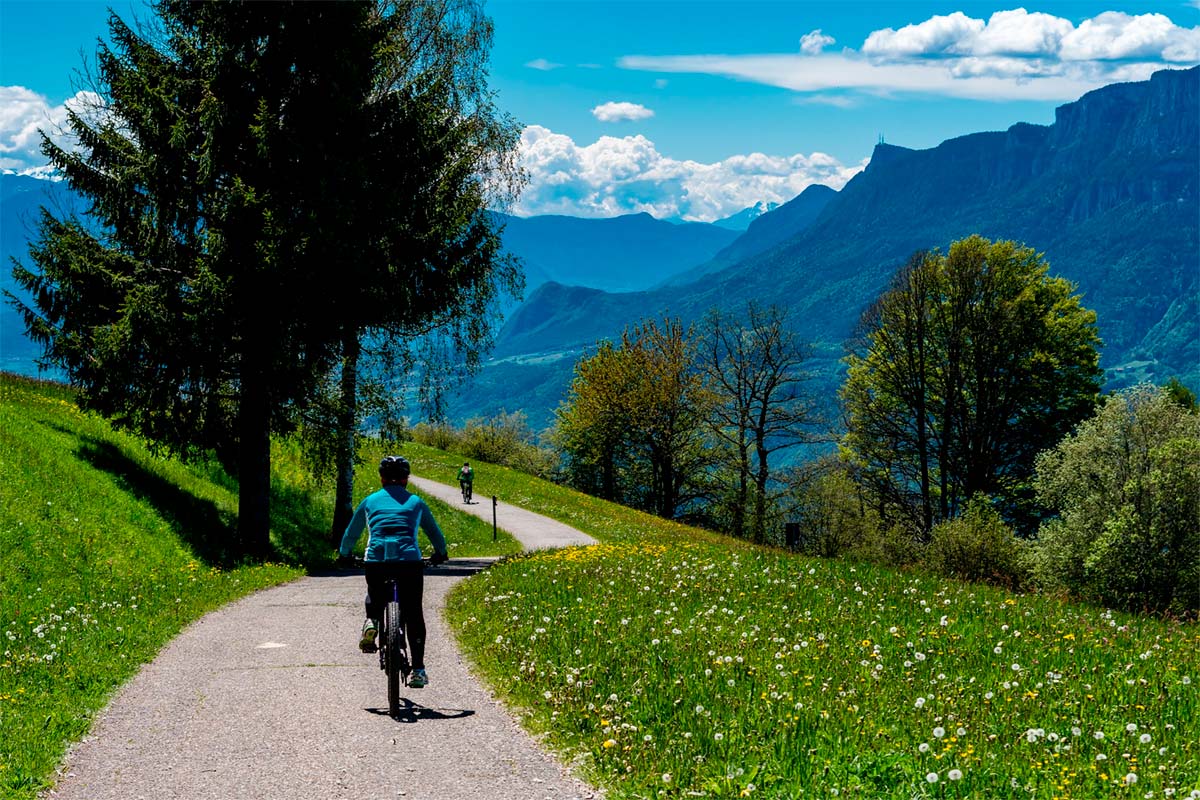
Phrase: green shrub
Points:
(439, 436)
(894, 546)
(832, 518)
(977, 546)
(1125, 487)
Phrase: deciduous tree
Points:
(754, 366)
(969, 365)
(632, 426)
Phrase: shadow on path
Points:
(411, 712)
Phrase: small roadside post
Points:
(493, 518)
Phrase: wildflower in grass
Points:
(923, 747)
(939, 732)
(610, 743)
(1144, 738)
(919, 702)
(1098, 736)
(666, 777)
(932, 777)
(1131, 779)
(954, 774)
(718, 736)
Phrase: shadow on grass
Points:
(210, 532)
(301, 526)
(298, 521)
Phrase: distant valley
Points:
(1108, 193)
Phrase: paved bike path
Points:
(533, 531)
(270, 698)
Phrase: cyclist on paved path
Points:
(392, 516)
(466, 476)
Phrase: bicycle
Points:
(466, 491)
(393, 646)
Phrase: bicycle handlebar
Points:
(358, 561)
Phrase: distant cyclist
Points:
(466, 481)
(392, 516)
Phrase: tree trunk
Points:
(343, 506)
(743, 489)
(760, 482)
(254, 459)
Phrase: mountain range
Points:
(617, 254)
(21, 198)
(1108, 193)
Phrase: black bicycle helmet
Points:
(394, 468)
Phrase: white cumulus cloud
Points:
(1117, 36)
(1012, 55)
(23, 113)
(814, 42)
(621, 112)
(626, 175)
(938, 34)
(542, 64)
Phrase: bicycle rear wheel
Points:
(396, 661)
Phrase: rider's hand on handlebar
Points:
(438, 558)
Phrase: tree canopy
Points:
(1123, 486)
(969, 365)
(754, 367)
(266, 180)
(632, 427)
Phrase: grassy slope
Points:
(674, 663)
(107, 551)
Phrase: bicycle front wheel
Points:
(395, 661)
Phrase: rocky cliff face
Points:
(1108, 193)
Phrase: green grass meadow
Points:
(671, 663)
(663, 662)
(108, 550)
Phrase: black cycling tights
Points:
(410, 581)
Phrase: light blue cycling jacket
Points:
(392, 515)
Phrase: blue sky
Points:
(698, 109)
